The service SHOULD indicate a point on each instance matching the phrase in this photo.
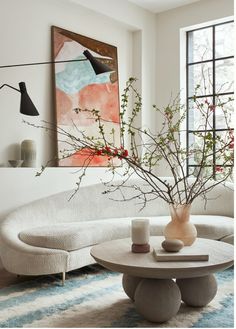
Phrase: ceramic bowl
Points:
(15, 163)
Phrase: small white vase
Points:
(28, 153)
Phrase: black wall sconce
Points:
(27, 107)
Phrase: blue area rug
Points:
(94, 297)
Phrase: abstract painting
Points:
(78, 86)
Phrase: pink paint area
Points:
(102, 97)
(64, 106)
(81, 159)
(66, 113)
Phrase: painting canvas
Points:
(78, 86)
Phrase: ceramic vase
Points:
(28, 153)
(180, 226)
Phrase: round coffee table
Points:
(150, 283)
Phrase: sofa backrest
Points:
(90, 203)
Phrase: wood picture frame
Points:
(76, 85)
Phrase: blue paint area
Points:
(77, 75)
(222, 318)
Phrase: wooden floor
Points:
(6, 278)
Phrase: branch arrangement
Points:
(141, 151)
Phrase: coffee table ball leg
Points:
(157, 300)
(199, 291)
(130, 284)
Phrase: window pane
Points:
(224, 155)
(224, 112)
(221, 172)
(200, 75)
(224, 38)
(200, 45)
(200, 116)
(224, 76)
(207, 171)
(193, 171)
(196, 146)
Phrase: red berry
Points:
(125, 153)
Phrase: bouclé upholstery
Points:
(55, 235)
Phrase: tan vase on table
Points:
(180, 226)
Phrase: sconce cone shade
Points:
(98, 66)
(26, 105)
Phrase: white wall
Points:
(168, 25)
(25, 37)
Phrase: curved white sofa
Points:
(54, 235)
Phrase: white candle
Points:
(140, 231)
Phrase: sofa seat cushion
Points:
(77, 235)
(213, 227)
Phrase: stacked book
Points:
(185, 254)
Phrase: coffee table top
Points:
(116, 255)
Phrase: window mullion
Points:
(187, 102)
(214, 100)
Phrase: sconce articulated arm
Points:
(26, 106)
(5, 84)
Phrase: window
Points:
(210, 60)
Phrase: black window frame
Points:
(213, 95)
